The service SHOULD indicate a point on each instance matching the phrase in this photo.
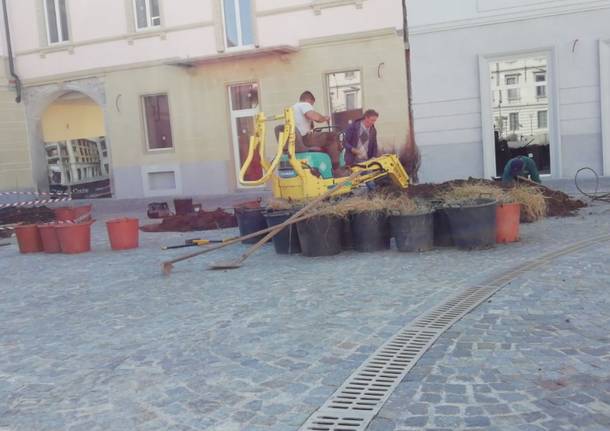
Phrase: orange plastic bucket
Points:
(50, 240)
(64, 213)
(123, 233)
(82, 210)
(74, 237)
(507, 223)
(28, 238)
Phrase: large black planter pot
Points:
(473, 226)
(442, 229)
(413, 232)
(346, 235)
(250, 220)
(370, 231)
(287, 240)
(320, 236)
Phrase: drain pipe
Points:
(11, 62)
(411, 156)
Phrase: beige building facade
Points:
(177, 85)
(15, 164)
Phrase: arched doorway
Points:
(74, 140)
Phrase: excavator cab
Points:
(315, 157)
(306, 175)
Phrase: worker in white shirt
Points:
(306, 140)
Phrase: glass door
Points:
(244, 107)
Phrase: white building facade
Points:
(532, 70)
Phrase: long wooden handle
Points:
(278, 228)
(229, 242)
(533, 183)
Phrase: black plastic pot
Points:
(413, 232)
(442, 229)
(370, 231)
(250, 220)
(287, 240)
(320, 236)
(346, 235)
(473, 226)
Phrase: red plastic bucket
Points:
(82, 210)
(123, 233)
(74, 237)
(28, 238)
(507, 223)
(64, 213)
(50, 240)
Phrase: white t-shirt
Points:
(302, 123)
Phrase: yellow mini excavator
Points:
(298, 176)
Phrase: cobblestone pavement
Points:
(102, 341)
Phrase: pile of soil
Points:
(201, 220)
(26, 215)
(559, 204)
(23, 215)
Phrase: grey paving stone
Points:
(476, 421)
(103, 335)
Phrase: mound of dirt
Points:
(201, 220)
(559, 204)
(13, 215)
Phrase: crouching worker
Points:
(361, 139)
(521, 166)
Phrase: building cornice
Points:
(349, 37)
(127, 37)
(511, 15)
(315, 5)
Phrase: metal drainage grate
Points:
(359, 399)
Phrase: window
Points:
(543, 119)
(147, 14)
(514, 94)
(350, 101)
(540, 79)
(57, 21)
(80, 175)
(345, 96)
(541, 91)
(513, 121)
(158, 126)
(165, 180)
(512, 79)
(238, 23)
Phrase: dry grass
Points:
(375, 203)
(533, 203)
(471, 192)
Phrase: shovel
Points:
(278, 228)
(169, 265)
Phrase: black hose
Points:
(11, 61)
(595, 196)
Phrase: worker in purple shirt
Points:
(361, 139)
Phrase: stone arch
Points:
(37, 100)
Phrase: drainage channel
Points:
(354, 405)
